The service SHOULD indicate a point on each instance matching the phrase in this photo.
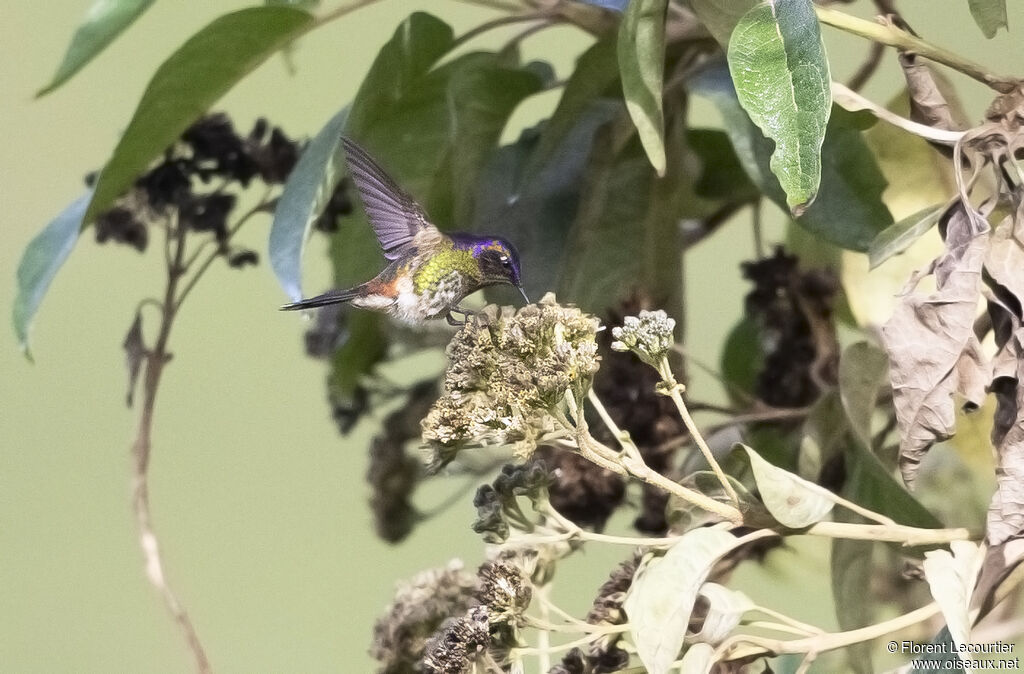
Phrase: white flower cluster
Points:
(648, 335)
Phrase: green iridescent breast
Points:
(438, 265)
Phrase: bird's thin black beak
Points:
(523, 293)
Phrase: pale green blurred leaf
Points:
(105, 20)
(863, 371)
(778, 64)
(792, 500)
(202, 70)
(307, 191)
(40, 262)
(851, 573)
(661, 598)
(990, 15)
(896, 238)
(641, 51)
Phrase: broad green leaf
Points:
(872, 486)
(482, 94)
(722, 177)
(534, 204)
(851, 573)
(778, 63)
(641, 53)
(661, 598)
(863, 371)
(848, 210)
(896, 238)
(307, 191)
(595, 76)
(792, 500)
(951, 578)
(742, 359)
(202, 70)
(606, 241)
(990, 15)
(40, 262)
(105, 20)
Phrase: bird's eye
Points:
(504, 260)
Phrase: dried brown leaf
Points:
(928, 95)
(1006, 511)
(933, 351)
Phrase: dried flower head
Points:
(503, 591)
(459, 642)
(418, 610)
(648, 335)
(506, 371)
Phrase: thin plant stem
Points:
(621, 436)
(593, 450)
(495, 4)
(888, 34)
(893, 533)
(544, 634)
(498, 23)
(673, 392)
(732, 648)
(156, 359)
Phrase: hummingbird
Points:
(428, 272)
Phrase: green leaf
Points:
(642, 67)
(661, 598)
(896, 238)
(778, 63)
(742, 359)
(188, 82)
(990, 15)
(852, 570)
(596, 74)
(722, 177)
(792, 500)
(863, 371)
(104, 21)
(40, 262)
(848, 210)
(534, 204)
(307, 191)
(871, 485)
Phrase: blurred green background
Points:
(260, 506)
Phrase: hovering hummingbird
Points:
(429, 272)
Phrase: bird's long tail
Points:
(330, 297)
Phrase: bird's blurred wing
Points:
(395, 216)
